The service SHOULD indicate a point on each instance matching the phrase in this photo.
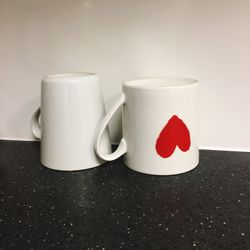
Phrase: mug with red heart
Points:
(159, 126)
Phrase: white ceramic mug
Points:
(72, 106)
(159, 126)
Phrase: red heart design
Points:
(175, 133)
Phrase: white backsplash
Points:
(127, 39)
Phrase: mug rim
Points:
(160, 83)
(68, 76)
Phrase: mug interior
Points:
(158, 83)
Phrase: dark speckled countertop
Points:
(112, 207)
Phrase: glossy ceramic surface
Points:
(71, 107)
(159, 126)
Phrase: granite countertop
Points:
(113, 207)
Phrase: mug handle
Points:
(122, 148)
(35, 125)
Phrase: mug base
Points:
(94, 165)
(161, 174)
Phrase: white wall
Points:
(122, 40)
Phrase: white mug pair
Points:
(159, 123)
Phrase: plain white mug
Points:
(159, 118)
(72, 106)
